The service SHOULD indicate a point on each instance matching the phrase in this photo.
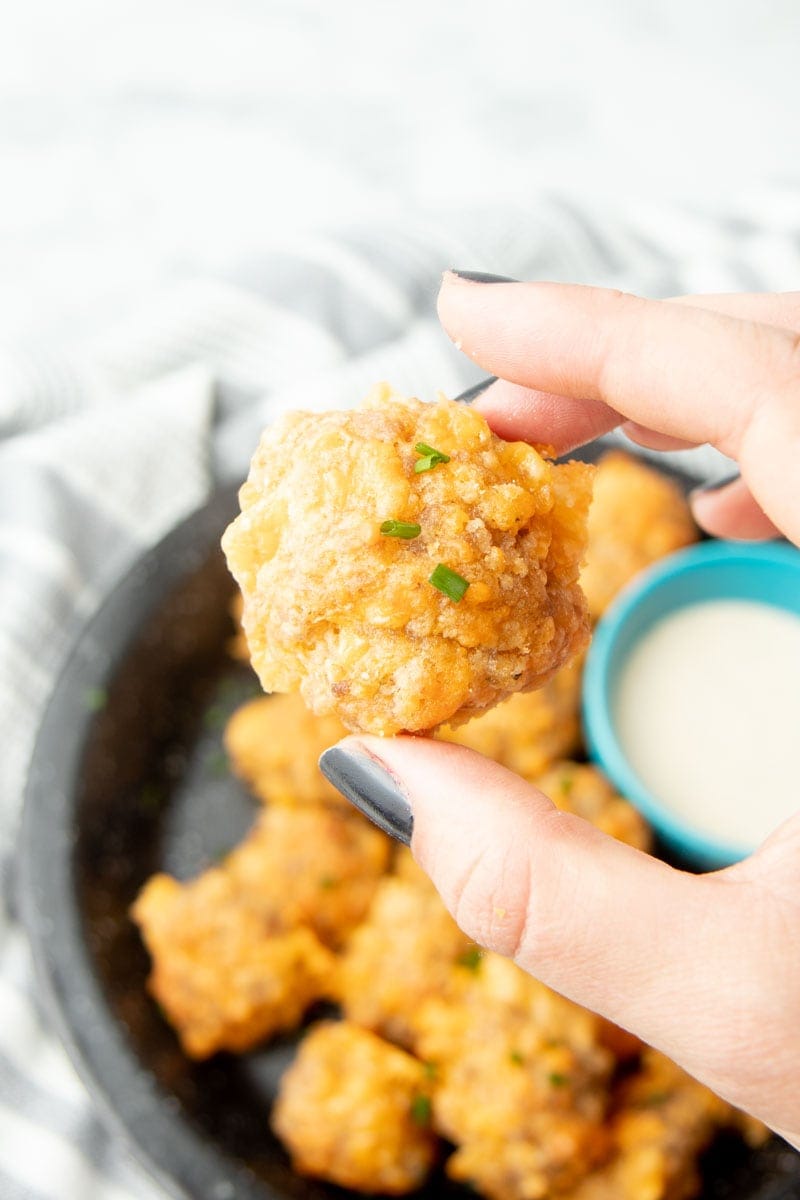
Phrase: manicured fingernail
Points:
(476, 390)
(706, 489)
(368, 785)
(482, 277)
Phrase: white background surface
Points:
(144, 139)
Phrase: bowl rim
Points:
(699, 848)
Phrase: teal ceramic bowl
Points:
(768, 572)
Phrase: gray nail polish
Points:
(716, 485)
(369, 786)
(483, 277)
(476, 390)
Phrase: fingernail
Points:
(476, 390)
(705, 489)
(368, 785)
(482, 277)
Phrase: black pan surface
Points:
(129, 777)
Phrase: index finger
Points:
(689, 372)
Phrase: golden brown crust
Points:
(348, 616)
(582, 789)
(354, 1110)
(530, 730)
(274, 743)
(225, 981)
(520, 1081)
(399, 956)
(310, 866)
(637, 516)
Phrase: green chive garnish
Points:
(556, 1079)
(421, 1110)
(401, 529)
(449, 582)
(430, 458)
(516, 1058)
(566, 784)
(471, 958)
(96, 698)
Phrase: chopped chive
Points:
(556, 1079)
(516, 1058)
(471, 958)
(421, 1110)
(450, 582)
(401, 529)
(655, 1099)
(327, 882)
(431, 1070)
(430, 458)
(566, 784)
(217, 764)
(214, 717)
(95, 699)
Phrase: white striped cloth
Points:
(110, 440)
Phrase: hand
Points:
(705, 968)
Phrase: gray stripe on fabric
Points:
(42, 500)
(78, 1125)
(318, 293)
(75, 1123)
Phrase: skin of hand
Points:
(706, 968)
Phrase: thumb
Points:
(678, 959)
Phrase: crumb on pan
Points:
(470, 594)
(364, 1127)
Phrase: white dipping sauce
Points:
(708, 715)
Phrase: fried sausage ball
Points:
(274, 743)
(223, 980)
(663, 1121)
(637, 516)
(378, 628)
(519, 1081)
(355, 1111)
(527, 732)
(401, 954)
(310, 866)
(581, 789)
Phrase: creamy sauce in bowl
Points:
(707, 713)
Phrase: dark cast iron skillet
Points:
(128, 777)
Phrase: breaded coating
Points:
(349, 616)
(354, 1110)
(664, 1120)
(402, 953)
(310, 866)
(237, 645)
(581, 789)
(519, 1081)
(223, 980)
(637, 516)
(274, 743)
(530, 730)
